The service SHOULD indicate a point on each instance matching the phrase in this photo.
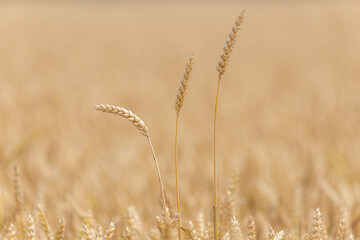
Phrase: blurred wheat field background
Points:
(289, 119)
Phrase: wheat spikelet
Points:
(229, 45)
(317, 226)
(341, 231)
(134, 119)
(251, 229)
(98, 233)
(60, 230)
(19, 197)
(44, 222)
(110, 231)
(11, 233)
(184, 85)
(30, 228)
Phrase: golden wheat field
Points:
(288, 120)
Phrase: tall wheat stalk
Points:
(221, 68)
(140, 125)
(178, 105)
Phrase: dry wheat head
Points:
(229, 45)
(184, 85)
(135, 120)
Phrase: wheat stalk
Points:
(221, 68)
(140, 125)
(178, 105)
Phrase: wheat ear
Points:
(221, 68)
(19, 197)
(60, 231)
(44, 222)
(30, 229)
(317, 226)
(140, 125)
(178, 105)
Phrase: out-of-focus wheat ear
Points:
(11, 233)
(98, 233)
(184, 84)
(351, 237)
(127, 233)
(341, 231)
(280, 235)
(60, 229)
(134, 119)
(133, 221)
(235, 230)
(251, 229)
(19, 197)
(88, 219)
(271, 235)
(137, 122)
(229, 45)
(317, 226)
(86, 233)
(44, 222)
(110, 231)
(154, 234)
(200, 226)
(30, 228)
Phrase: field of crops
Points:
(288, 132)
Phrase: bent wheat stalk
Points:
(221, 68)
(179, 102)
(140, 125)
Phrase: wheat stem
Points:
(177, 176)
(159, 173)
